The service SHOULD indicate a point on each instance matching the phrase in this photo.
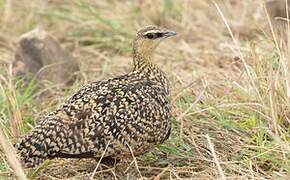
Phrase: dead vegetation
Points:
(230, 84)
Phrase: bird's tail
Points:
(30, 151)
(42, 143)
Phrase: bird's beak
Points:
(169, 33)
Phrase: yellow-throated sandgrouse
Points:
(116, 116)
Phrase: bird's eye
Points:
(150, 36)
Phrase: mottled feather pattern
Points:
(128, 112)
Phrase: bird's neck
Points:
(142, 63)
(144, 66)
(142, 60)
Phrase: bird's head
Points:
(147, 39)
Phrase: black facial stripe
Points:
(159, 35)
(154, 35)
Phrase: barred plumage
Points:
(131, 111)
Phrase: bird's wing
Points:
(118, 114)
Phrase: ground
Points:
(229, 76)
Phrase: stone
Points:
(40, 54)
(277, 9)
(278, 15)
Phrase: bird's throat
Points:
(142, 60)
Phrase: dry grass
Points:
(230, 83)
(11, 156)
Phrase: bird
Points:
(119, 117)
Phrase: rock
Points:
(41, 54)
(278, 15)
(277, 9)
